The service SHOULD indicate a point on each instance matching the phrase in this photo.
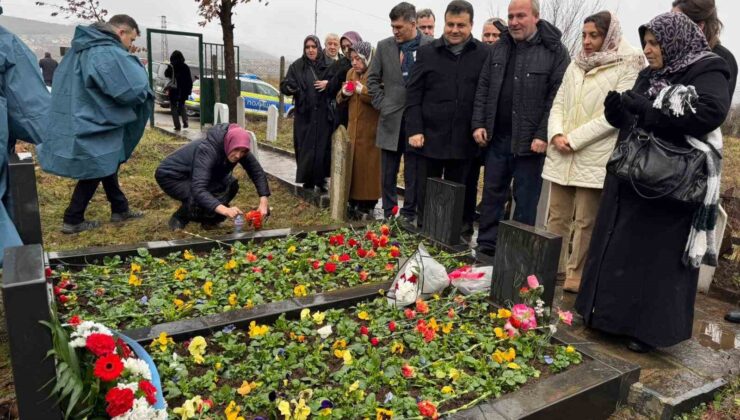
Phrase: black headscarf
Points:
(320, 63)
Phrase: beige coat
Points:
(578, 113)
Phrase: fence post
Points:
(281, 108)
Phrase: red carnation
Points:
(316, 265)
(394, 210)
(119, 401)
(150, 391)
(100, 344)
(47, 272)
(344, 258)
(125, 349)
(374, 341)
(330, 267)
(361, 253)
(352, 243)
(364, 330)
(108, 368)
(74, 321)
(392, 326)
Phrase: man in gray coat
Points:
(389, 72)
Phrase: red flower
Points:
(374, 341)
(150, 391)
(99, 291)
(376, 243)
(125, 350)
(361, 253)
(389, 266)
(63, 284)
(350, 86)
(344, 258)
(371, 254)
(364, 330)
(100, 344)
(352, 243)
(256, 269)
(524, 290)
(57, 290)
(451, 313)
(429, 335)
(384, 241)
(370, 235)
(392, 326)
(410, 313)
(63, 298)
(206, 401)
(407, 371)
(394, 210)
(421, 306)
(108, 368)
(421, 325)
(336, 240)
(395, 253)
(119, 401)
(316, 265)
(251, 257)
(47, 272)
(74, 321)
(363, 275)
(427, 409)
(269, 257)
(385, 230)
(330, 267)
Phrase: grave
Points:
(24, 200)
(342, 156)
(272, 123)
(443, 209)
(220, 113)
(524, 250)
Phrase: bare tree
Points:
(80, 9)
(223, 10)
(568, 16)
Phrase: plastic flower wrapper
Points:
(420, 274)
(469, 279)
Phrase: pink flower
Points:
(524, 317)
(510, 330)
(566, 317)
(532, 282)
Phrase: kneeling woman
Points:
(199, 175)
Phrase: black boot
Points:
(638, 346)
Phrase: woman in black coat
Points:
(312, 122)
(184, 87)
(635, 281)
(199, 175)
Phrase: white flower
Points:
(553, 329)
(138, 367)
(407, 291)
(78, 338)
(324, 331)
(540, 303)
(141, 410)
(134, 386)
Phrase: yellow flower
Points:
(318, 317)
(232, 299)
(397, 347)
(305, 314)
(383, 414)
(513, 366)
(187, 292)
(247, 387)
(197, 348)
(447, 328)
(188, 408)
(504, 356)
(436, 296)
(160, 261)
(188, 255)
(339, 344)
(249, 304)
(570, 349)
(286, 270)
(300, 291)
(232, 412)
(492, 315)
(499, 332)
(218, 365)
(447, 390)
(162, 341)
(208, 288)
(338, 353)
(363, 316)
(134, 280)
(454, 374)
(135, 268)
(180, 274)
(510, 355)
(284, 408)
(433, 325)
(354, 387)
(178, 303)
(230, 265)
(301, 410)
(347, 356)
(291, 249)
(504, 313)
(257, 330)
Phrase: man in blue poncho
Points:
(24, 109)
(100, 104)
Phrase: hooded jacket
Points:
(540, 65)
(99, 106)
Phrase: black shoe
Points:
(639, 347)
(80, 227)
(467, 229)
(177, 128)
(307, 186)
(176, 223)
(126, 215)
(733, 316)
(322, 189)
(487, 251)
(184, 126)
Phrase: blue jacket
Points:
(100, 105)
(24, 108)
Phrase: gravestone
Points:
(443, 209)
(241, 118)
(543, 205)
(272, 123)
(342, 156)
(254, 145)
(220, 113)
(523, 250)
(24, 199)
(26, 297)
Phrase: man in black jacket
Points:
(512, 105)
(199, 175)
(48, 65)
(439, 102)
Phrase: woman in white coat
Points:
(581, 140)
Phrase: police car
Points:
(257, 94)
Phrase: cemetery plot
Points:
(144, 290)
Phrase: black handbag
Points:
(656, 168)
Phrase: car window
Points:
(248, 87)
(266, 90)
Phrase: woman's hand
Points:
(562, 144)
(320, 85)
(230, 212)
(264, 206)
(636, 103)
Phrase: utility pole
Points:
(164, 39)
(315, 16)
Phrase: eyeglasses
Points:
(311, 47)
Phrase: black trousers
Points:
(189, 210)
(455, 170)
(390, 162)
(84, 192)
(177, 109)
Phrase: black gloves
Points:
(613, 108)
(636, 103)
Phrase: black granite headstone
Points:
(26, 301)
(24, 199)
(523, 250)
(443, 209)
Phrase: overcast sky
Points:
(281, 26)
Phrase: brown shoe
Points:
(572, 285)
